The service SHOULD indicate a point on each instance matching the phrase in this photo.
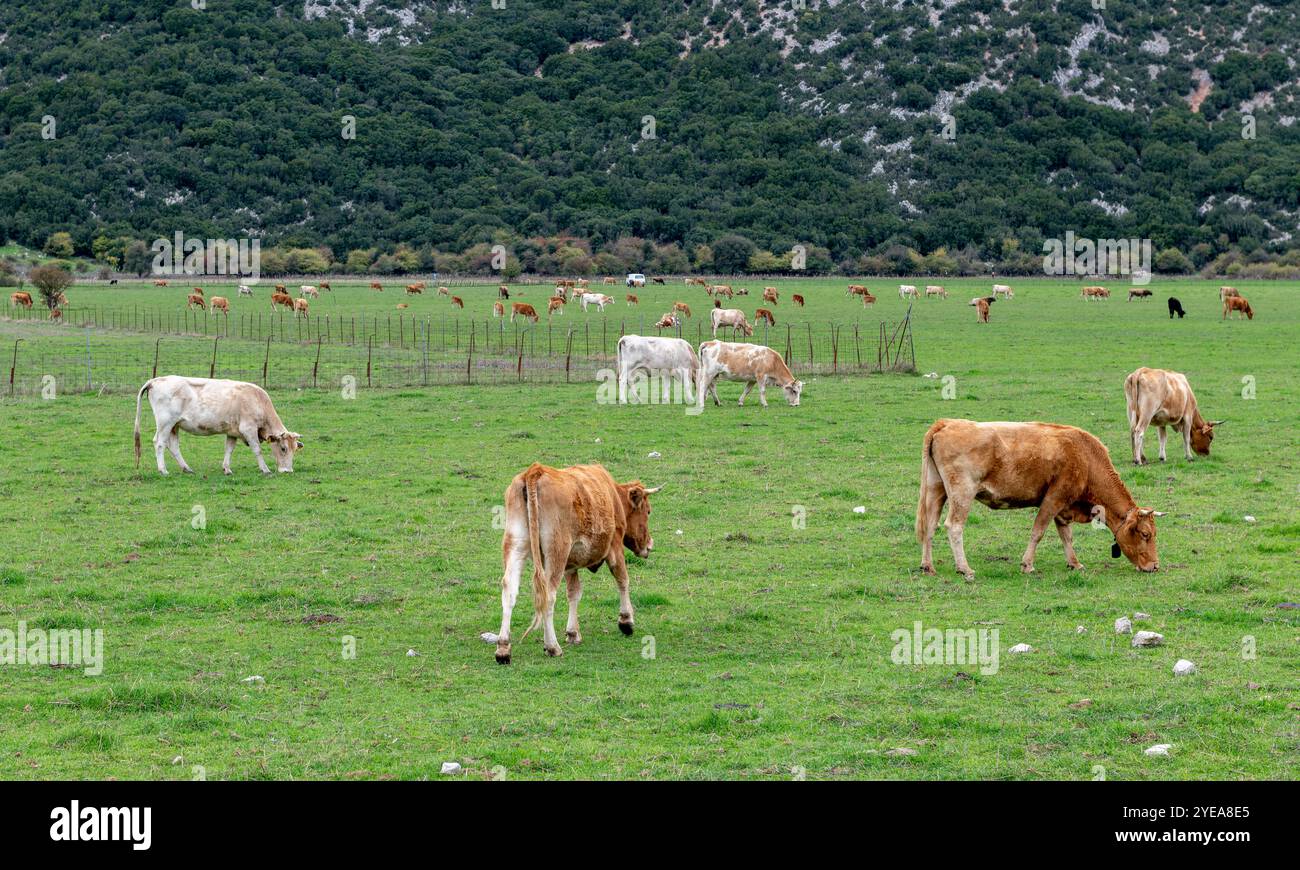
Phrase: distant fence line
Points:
(424, 353)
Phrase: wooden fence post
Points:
(267, 361)
(212, 369)
(13, 366)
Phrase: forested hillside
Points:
(666, 124)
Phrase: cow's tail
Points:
(138, 397)
(541, 588)
(1132, 384)
(929, 475)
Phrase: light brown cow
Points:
(523, 309)
(554, 304)
(982, 304)
(1095, 293)
(414, 289)
(325, 285)
(632, 300)
(764, 314)
(498, 310)
(375, 285)
(1225, 292)
(608, 280)
(402, 305)
(221, 303)
(1239, 305)
(160, 283)
(857, 290)
(281, 298)
(1156, 397)
(1004, 290)
(565, 520)
(56, 314)
(749, 363)
(421, 284)
(797, 300)
(868, 299)
(733, 317)
(21, 298)
(1064, 472)
(1138, 293)
(770, 295)
(300, 306)
(457, 302)
(198, 290)
(682, 307)
(444, 291)
(935, 290)
(196, 299)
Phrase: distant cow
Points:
(982, 304)
(1138, 293)
(375, 285)
(498, 310)
(196, 299)
(668, 321)
(200, 406)
(444, 291)
(21, 298)
(414, 289)
(600, 300)
(682, 307)
(555, 303)
(325, 285)
(867, 299)
(280, 288)
(770, 295)
(797, 300)
(1004, 290)
(856, 290)
(1095, 293)
(221, 303)
(523, 309)
(309, 290)
(160, 283)
(245, 290)
(665, 359)
(299, 306)
(632, 300)
(1175, 307)
(733, 317)
(764, 314)
(1239, 305)
(566, 520)
(611, 280)
(1064, 472)
(112, 282)
(198, 290)
(657, 280)
(906, 290)
(1225, 292)
(56, 314)
(280, 298)
(503, 291)
(935, 290)
(749, 363)
(402, 305)
(1160, 398)
(457, 302)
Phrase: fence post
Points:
(267, 361)
(88, 387)
(212, 369)
(156, 344)
(370, 346)
(469, 360)
(13, 366)
(315, 366)
(835, 350)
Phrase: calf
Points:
(21, 298)
(1138, 293)
(196, 299)
(1175, 307)
(523, 309)
(1160, 398)
(867, 299)
(770, 295)
(566, 520)
(797, 300)
(982, 304)
(764, 314)
(1064, 472)
(202, 406)
(498, 310)
(632, 300)
(1239, 305)
(750, 363)
(666, 359)
(733, 317)
(935, 290)
(221, 303)
(682, 307)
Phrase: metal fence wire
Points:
(113, 351)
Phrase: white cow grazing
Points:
(1004, 290)
(906, 290)
(732, 317)
(664, 359)
(935, 290)
(309, 290)
(245, 290)
(202, 406)
(598, 299)
(752, 363)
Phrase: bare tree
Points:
(50, 282)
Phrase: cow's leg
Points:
(514, 550)
(1139, 436)
(250, 438)
(935, 496)
(231, 441)
(623, 377)
(555, 556)
(958, 508)
(618, 567)
(174, 447)
(1164, 435)
(745, 392)
(573, 583)
(160, 446)
(1067, 540)
(1051, 505)
(762, 391)
(1187, 440)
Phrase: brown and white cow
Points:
(444, 291)
(503, 291)
(770, 295)
(21, 298)
(221, 303)
(201, 406)
(1095, 293)
(565, 520)
(907, 290)
(523, 309)
(668, 321)
(797, 300)
(935, 290)
(1064, 472)
(498, 310)
(554, 304)
(1160, 398)
(764, 314)
(733, 317)
(457, 302)
(1138, 293)
(982, 304)
(196, 299)
(308, 290)
(1239, 305)
(1225, 292)
(280, 298)
(749, 363)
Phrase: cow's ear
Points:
(636, 494)
(1115, 551)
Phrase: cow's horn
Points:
(656, 489)
(1217, 422)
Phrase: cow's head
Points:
(792, 392)
(1202, 435)
(746, 328)
(283, 447)
(1135, 537)
(636, 535)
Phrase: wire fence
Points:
(84, 354)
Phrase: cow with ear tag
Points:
(565, 520)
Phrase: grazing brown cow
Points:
(1138, 293)
(982, 304)
(1239, 305)
(196, 299)
(868, 299)
(503, 292)
(565, 520)
(764, 314)
(281, 298)
(56, 314)
(523, 309)
(608, 280)
(682, 307)
(770, 295)
(221, 303)
(1225, 292)
(375, 285)
(160, 283)
(444, 291)
(457, 302)
(198, 290)
(1095, 293)
(668, 321)
(555, 303)
(401, 305)
(280, 288)
(632, 300)
(498, 310)
(857, 290)
(21, 298)
(935, 290)
(797, 300)
(325, 285)
(421, 284)
(1064, 472)
(299, 306)
(413, 289)
(1156, 397)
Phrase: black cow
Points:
(1175, 307)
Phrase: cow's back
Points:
(579, 503)
(1010, 460)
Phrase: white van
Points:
(635, 279)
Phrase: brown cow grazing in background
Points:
(325, 285)
(1156, 397)
(565, 520)
(1095, 293)
(21, 298)
(682, 307)
(632, 300)
(764, 314)
(523, 309)
(196, 299)
(503, 292)
(1138, 293)
(797, 299)
(935, 290)
(281, 298)
(56, 314)
(982, 304)
(198, 290)
(555, 303)
(1064, 472)
(457, 302)
(770, 295)
(1239, 305)
(300, 306)
(856, 290)
(221, 303)
(413, 289)
(498, 310)
(374, 285)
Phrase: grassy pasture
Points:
(771, 641)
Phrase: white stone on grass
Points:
(1123, 625)
(1021, 648)
(1159, 749)
(1148, 638)
(450, 767)
(1183, 668)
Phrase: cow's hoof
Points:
(503, 658)
(573, 637)
(1075, 567)
(625, 627)
(1026, 569)
(554, 652)
(969, 575)
(226, 471)
(927, 569)
(187, 470)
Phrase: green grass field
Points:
(771, 642)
